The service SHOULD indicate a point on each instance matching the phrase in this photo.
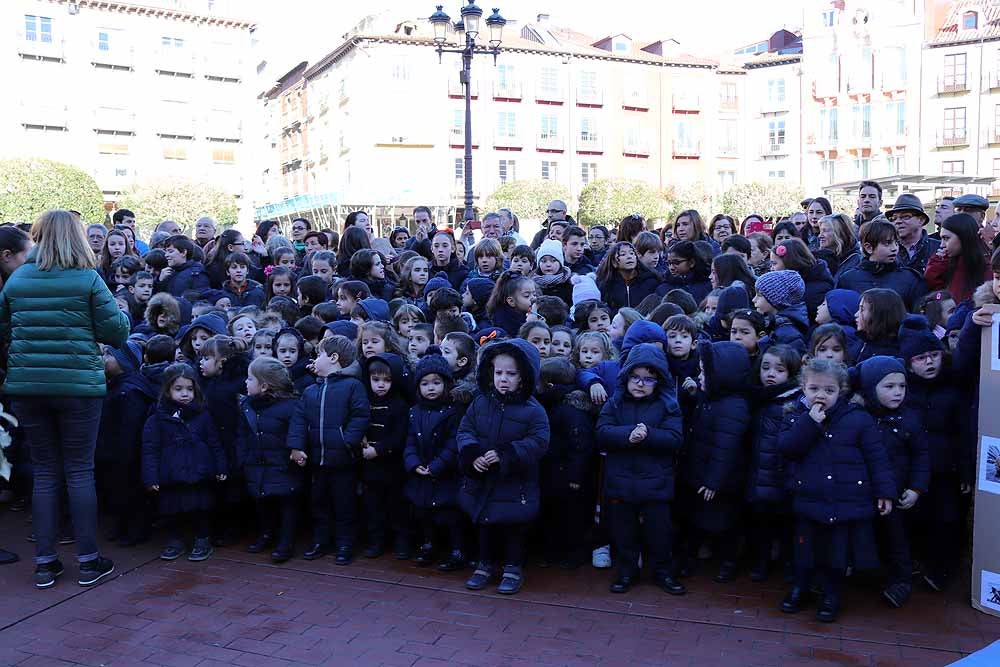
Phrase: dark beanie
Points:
(867, 374)
(438, 281)
(480, 289)
(430, 364)
(916, 338)
(344, 328)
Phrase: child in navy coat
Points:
(781, 294)
(272, 479)
(840, 474)
(382, 470)
(716, 452)
(882, 388)
(326, 431)
(502, 438)
(641, 430)
(431, 461)
(181, 456)
(566, 466)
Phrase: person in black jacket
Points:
(272, 479)
(623, 280)
(431, 461)
(879, 268)
(239, 289)
(444, 259)
(882, 388)
(182, 272)
(641, 430)
(565, 467)
(382, 472)
(326, 431)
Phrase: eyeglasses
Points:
(298, 229)
(676, 262)
(644, 381)
(555, 210)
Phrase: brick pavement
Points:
(238, 609)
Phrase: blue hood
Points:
(652, 357)
(843, 304)
(528, 361)
(211, 322)
(642, 331)
(866, 376)
(797, 315)
(727, 368)
(377, 309)
(396, 369)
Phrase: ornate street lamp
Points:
(469, 25)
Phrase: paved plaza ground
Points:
(238, 609)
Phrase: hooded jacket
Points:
(377, 308)
(641, 472)
(222, 397)
(516, 427)
(180, 446)
(210, 322)
(572, 443)
(840, 467)
(126, 407)
(620, 294)
(190, 275)
(431, 442)
(331, 419)
(766, 481)
(698, 288)
(945, 413)
(734, 297)
(262, 446)
(870, 275)
(302, 379)
(818, 282)
(843, 305)
(606, 372)
(791, 327)
(388, 421)
(252, 294)
(716, 442)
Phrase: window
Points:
(776, 133)
(996, 167)
(549, 127)
(402, 72)
(775, 90)
(954, 124)
(172, 43)
(829, 18)
(634, 137)
(549, 81)
(970, 21)
(588, 172)
(953, 167)
(862, 117)
(459, 171)
(954, 71)
(507, 124)
(777, 174)
(587, 89)
(684, 135)
(862, 167)
(38, 29)
(588, 130)
(728, 137)
(506, 80)
(508, 170)
(727, 95)
(174, 153)
(550, 170)
(223, 155)
(458, 124)
(896, 118)
(103, 41)
(893, 67)
(112, 149)
(828, 126)
(620, 46)
(895, 164)
(828, 167)
(727, 179)
(996, 117)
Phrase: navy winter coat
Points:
(861, 348)
(905, 442)
(818, 282)
(517, 428)
(387, 425)
(572, 442)
(618, 294)
(126, 407)
(868, 275)
(945, 414)
(330, 420)
(698, 288)
(180, 446)
(262, 446)
(252, 294)
(840, 467)
(642, 472)
(508, 319)
(606, 372)
(716, 436)
(380, 289)
(766, 481)
(431, 443)
(222, 396)
(456, 271)
(187, 276)
(791, 327)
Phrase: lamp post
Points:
(471, 14)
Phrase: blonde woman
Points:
(54, 310)
(838, 244)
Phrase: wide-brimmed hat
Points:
(908, 202)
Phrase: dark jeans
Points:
(200, 521)
(334, 497)
(450, 519)
(278, 516)
(61, 433)
(891, 529)
(655, 532)
(507, 540)
(386, 510)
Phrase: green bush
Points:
(31, 186)
(528, 199)
(607, 200)
(771, 200)
(178, 200)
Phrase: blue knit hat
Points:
(866, 375)
(782, 289)
(430, 364)
(438, 281)
(916, 338)
(377, 309)
(480, 289)
(344, 328)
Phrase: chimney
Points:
(542, 19)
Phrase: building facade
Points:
(131, 92)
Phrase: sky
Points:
(295, 30)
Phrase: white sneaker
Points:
(602, 557)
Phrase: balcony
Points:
(958, 137)
(892, 82)
(508, 141)
(509, 91)
(550, 95)
(223, 68)
(859, 82)
(550, 143)
(826, 86)
(35, 48)
(457, 91)
(893, 137)
(635, 100)
(729, 104)
(113, 58)
(824, 143)
(992, 135)
(114, 121)
(637, 148)
(43, 116)
(951, 85)
(686, 103)
(456, 138)
(769, 106)
(991, 80)
(292, 120)
(686, 150)
(224, 128)
(589, 143)
(174, 61)
(589, 97)
(176, 125)
(728, 150)
(769, 149)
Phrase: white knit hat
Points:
(584, 288)
(552, 249)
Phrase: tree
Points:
(528, 199)
(771, 200)
(179, 200)
(608, 200)
(696, 195)
(31, 186)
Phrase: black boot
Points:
(792, 604)
(261, 544)
(829, 607)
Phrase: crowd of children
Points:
(520, 410)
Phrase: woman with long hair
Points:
(229, 241)
(355, 238)
(960, 264)
(838, 243)
(622, 278)
(689, 226)
(55, 309)
(818, 209)
(630, 227)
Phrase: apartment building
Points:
(130, 91)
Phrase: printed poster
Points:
(989, 465)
